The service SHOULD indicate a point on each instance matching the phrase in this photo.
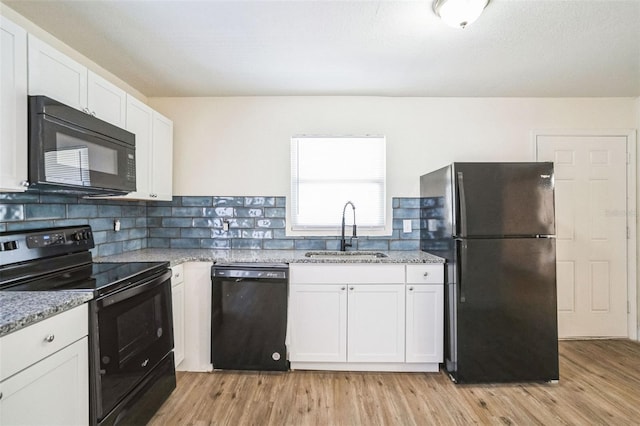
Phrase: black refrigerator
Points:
(494, 224)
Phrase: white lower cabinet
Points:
(376, 318)
(347, 323)
(44, 375)
(177, 299)
(425, 326)
(375, 323)
(425, 313)
(318, 318)
(197, 317)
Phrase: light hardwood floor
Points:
(599, 385)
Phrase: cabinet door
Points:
(13, 106)
(162, 158)
(318, 322)
(425, 323)
(54, 391)
(177, 297)
(197, 317)
(53, 74)
(106, 101)
(140, 122)
(376, 323)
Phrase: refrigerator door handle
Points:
(462, 220)
(461, 261)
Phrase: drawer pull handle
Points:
(342, 288)
(49, 338)
(410, 288)
(351, 288)
(426, 274)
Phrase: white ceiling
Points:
(525, 48)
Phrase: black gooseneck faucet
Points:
(343, 242)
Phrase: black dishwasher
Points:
(249, 316)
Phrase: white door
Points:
(318, 320)
(162, 158)
(106, 101)
(591, 229)
(375, 323)
(140, 122)
(53, 74)
(425, 323)
(177, 302)
(53, 391)
(13, 106)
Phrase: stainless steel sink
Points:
(346, 255)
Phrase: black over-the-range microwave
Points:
(74, 152)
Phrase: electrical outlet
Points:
(406, 226)
(225, 225)
(116, 225)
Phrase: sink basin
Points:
(346, 255)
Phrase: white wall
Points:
(240, 145)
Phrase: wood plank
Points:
(599, 384)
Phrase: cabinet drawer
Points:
(425, 274)
(25, 347)
(362, 273)
(177, 275)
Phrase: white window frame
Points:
(296, 229)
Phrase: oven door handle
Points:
(133, 290)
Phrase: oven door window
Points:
(135, 334)
(79, 157)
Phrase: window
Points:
(326, 172)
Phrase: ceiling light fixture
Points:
(459, 13)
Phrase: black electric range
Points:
(132, 370)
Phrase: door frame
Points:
(633, 327)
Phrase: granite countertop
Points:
(178, 256)
(19, 309)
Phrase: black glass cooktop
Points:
(102, 278)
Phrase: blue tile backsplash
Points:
(21, 211)
(191, 222)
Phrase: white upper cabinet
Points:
(162, 158)
(54, 74)
(139, 121)
(154, 151)
(105, 100)
(13, 106)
